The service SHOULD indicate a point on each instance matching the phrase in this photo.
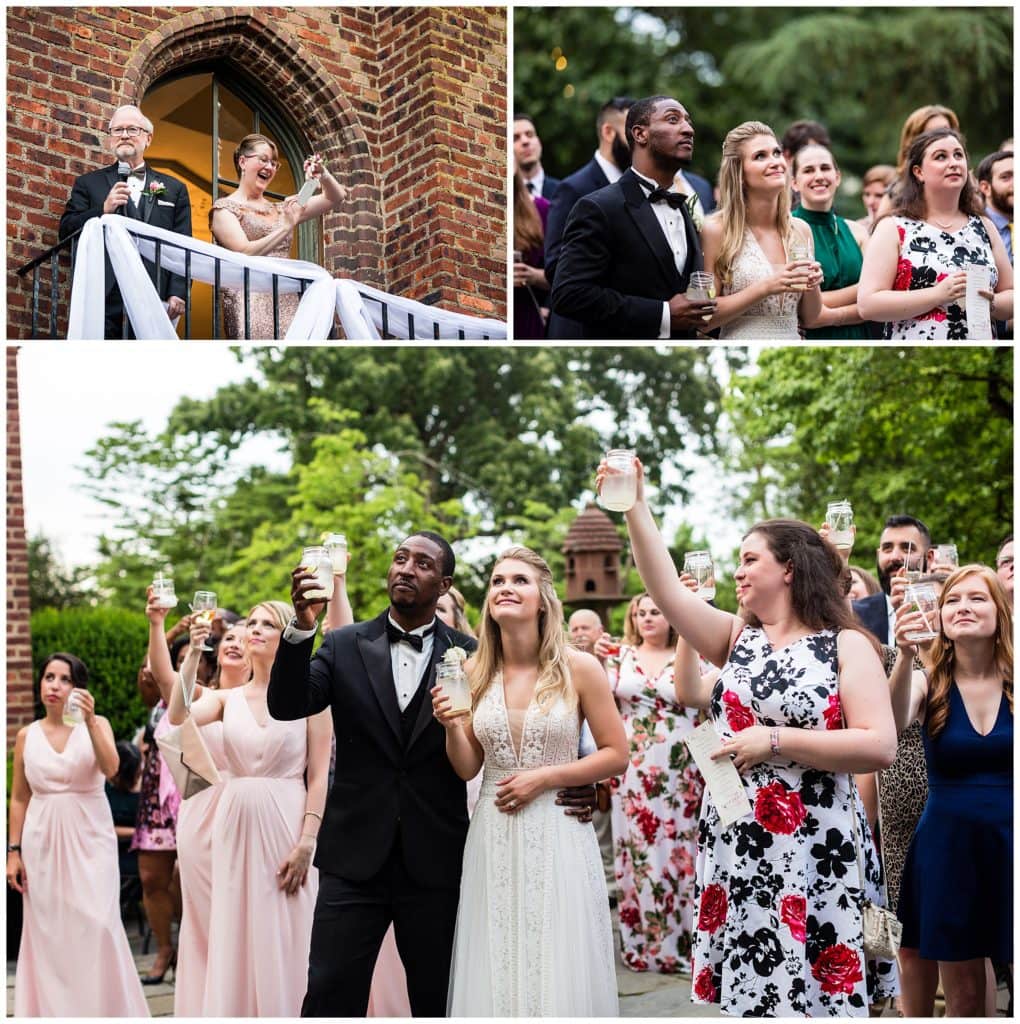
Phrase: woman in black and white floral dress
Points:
(801, 702)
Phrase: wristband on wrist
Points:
(774, 742)
(14, 847)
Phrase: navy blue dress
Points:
(956, 897)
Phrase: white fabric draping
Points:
(126, 241)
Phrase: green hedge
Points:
(112, 642)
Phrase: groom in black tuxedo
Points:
(392, 839)
(629, 248)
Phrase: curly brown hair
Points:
(909, 200)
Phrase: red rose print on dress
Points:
(649, 823)
(630, 915)
(904, 272)
(738, 716)
(779, 809)
(833, 714)
(704, 989)
(713, 908)
(837, 969)
(792, 912)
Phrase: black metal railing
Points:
(52, 258)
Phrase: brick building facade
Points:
(19, 640)
(408, 105)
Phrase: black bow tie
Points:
(416, 640)
(138, 172)
(531, 187)
(662, 195)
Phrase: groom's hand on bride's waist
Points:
(578, 802)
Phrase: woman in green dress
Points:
(838, 243)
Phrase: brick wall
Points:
(408, 103)
(19, 640)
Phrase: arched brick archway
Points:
(284, 67)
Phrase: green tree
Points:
(926, 431)
(52, 584)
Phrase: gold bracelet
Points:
(314, 814)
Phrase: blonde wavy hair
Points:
(733, 199)
(553, 671)
(943, 654)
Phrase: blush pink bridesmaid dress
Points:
(258, 935)
(194, 859)
(74, 959)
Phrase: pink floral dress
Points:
(778, 930)
(655, 820)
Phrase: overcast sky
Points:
(70, 393)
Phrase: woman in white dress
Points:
(762, 258)
(533, 934)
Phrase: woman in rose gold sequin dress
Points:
(247, 222)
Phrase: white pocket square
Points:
(163, 202)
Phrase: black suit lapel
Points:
(695, 257)
(650, 229)
(440, 645)
(374, 646)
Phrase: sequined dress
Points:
(256, 224)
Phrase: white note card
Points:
(722, 779)
(979, 309)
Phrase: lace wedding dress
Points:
(775, 317)
(533, 936)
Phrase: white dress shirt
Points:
(408, 664)
(534, 185)
(673, 227)
(609, 169)
(136, 185)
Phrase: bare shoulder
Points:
(712, 227)
(585, 670)
(860, 233)
(802, 228)
(852, 643)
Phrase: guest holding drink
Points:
(657, 799)
(915, 271)
(800, 704)
(74, 958)
(533, 935)
(247, 222)
(530, 285)
(197, 813)
(963, 844)
(263, 836)
(155, 838)
(837, 243)
(765, 274)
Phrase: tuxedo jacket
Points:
(549, 187)
(385, 790)
(171, 210)
(588, 179)
(874, 614)
(615, 267)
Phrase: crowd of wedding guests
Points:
(612, 250)
(330, 867)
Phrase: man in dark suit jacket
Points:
(629, 248)
(528, 158)
(611, 159)
(905, 543)
(157, 199)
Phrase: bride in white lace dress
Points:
(533, 935)
(765, 285)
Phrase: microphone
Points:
(123, 170)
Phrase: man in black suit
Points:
(392, 840)
(528, 157)
(157, 199)
(905, 543)
(629, 248)
(611, 159)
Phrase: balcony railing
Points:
(392, 316)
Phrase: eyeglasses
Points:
(1003, 562)
(131, 131)
(266, 161)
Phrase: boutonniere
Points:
(156, 189)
